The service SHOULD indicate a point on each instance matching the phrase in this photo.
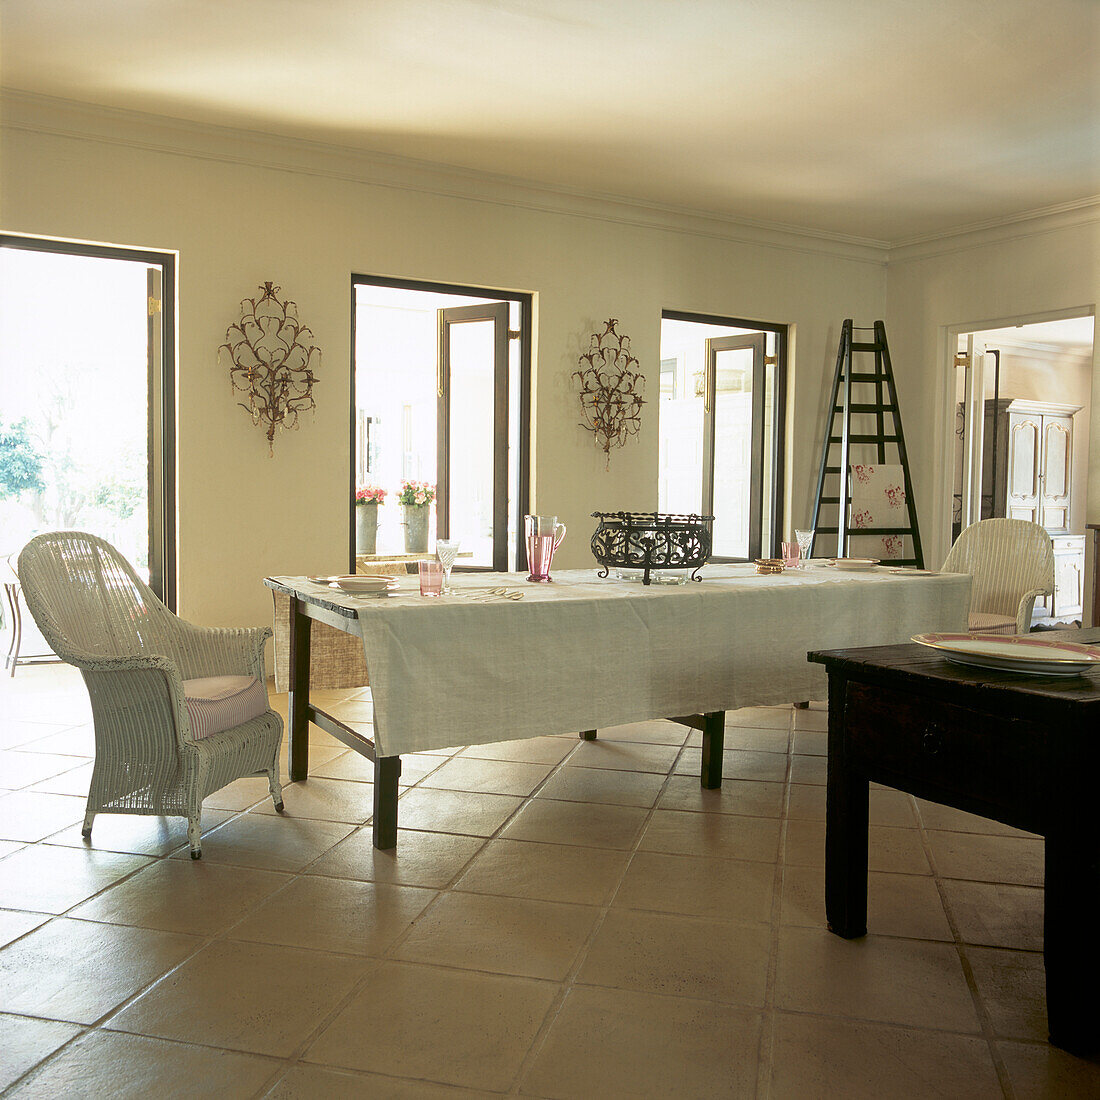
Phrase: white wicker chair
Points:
(134, 655)
(1011, 562)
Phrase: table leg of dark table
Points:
(1071, 945)
(846, 813)
(298, 695)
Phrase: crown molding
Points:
(90, 122)
(1031, 223)
(28, 111)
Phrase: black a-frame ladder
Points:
(869, 397)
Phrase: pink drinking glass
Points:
(791, 555)
(544, 535)
(431, 578)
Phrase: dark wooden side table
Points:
(1095, 529)
(1024, 751)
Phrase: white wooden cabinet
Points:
(1039, 464)
(1069, 582)
(1027, 473)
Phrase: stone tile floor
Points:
(561, 919)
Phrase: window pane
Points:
(680, 435)
(515, 391)
(74, 399)
(732, 452)
(472, 439)
(767, 532)
(395, 387)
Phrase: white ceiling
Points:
(1074, 333)
(881, 119)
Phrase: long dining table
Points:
(502, 658)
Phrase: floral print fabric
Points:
(878, 500)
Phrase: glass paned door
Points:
(86, 397)
(473, 413)
(441, 383)
(720, 428)
(973, 430)
(733, 436)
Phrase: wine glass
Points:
(805, 541)
(446, 550)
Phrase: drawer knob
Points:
(932, 741)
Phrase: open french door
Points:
(974, 387)
(733, 443)
(472, 427)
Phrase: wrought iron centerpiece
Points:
(652, 540)
(273, 360)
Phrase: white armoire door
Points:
(1056, 473)
(1025, 441)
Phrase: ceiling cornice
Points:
(68, 118)
(1031, 223)
(31, 112)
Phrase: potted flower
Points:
(416, 497)
(367, 500)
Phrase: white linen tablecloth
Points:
(584, 653)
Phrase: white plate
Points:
(363, 585)
(1023, 653)
(855, 565)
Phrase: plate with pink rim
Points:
(1014, 653)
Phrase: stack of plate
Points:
(767, 566)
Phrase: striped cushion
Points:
(216, 703)
(988, 622)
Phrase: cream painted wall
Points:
(242, 514)
(989, 284)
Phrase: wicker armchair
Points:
(140, 663)
(1011, 562)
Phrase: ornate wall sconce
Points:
(272, 361)
(611, 401)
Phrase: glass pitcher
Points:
(544, 535)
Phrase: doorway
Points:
(1022, 411)
(441, 399)
(719, 428)
(87, 386)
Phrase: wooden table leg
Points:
(387, 769)
(587, 735)
(846, 813)
(1070, 944)
(714, 736)
(298, 696)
